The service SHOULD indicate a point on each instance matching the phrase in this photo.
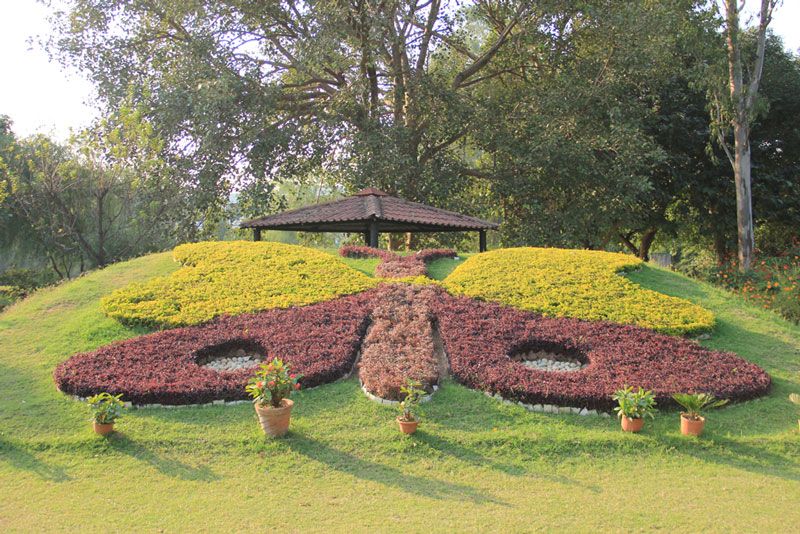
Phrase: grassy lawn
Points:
(475, 463)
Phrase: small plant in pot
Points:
(409, 406)
(270, 389)
(106, 409)
(692, 422)
(634, 406)
(795, 398)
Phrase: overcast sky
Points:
(40, 96)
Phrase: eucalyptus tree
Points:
(735, 112)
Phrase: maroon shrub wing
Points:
(480, 336)
(319, 341)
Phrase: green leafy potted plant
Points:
(795, 398)
(270, 389)
(692, 422)
(409, 407)
(106, 409)
(634, 406)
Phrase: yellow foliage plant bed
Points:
(585, 284)
(230, 278)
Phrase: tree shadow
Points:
(385, 475)
(476, 459)
(23, 460)
(735, 454)
(167, 466)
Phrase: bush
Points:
(27, 279)
(395, 266)
(9, 295)
(574, 283)
(479, 337)
(319, 341)
(773, 283)
(399, 345)
(227, 278)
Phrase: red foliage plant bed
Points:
(395, 266)
(399, 344)
(481, 339)
(319, 341)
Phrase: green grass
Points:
(475, 464)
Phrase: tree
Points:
(103, 197)
(247, 94)
(582, 150)
(737, 114)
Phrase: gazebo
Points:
(370, 212)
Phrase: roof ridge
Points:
(374, 206)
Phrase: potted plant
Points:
(409, 407)
(270, 389)
(634, 406)
(692, 422)
(106, 409)
(795, 398)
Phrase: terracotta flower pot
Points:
(275, 421)
(103, 429)
(692, 427)
(407, 427)
(631, 425)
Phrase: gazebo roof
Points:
(369, 206)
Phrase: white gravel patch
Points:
(234, 361)
(545, 361)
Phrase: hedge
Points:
(480, 337)
(229, 278)
(319, 341)
(399, 344)
(574, 283)
(395, 266)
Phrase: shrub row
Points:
(574, 283)
(399, 344)
(229, 278)
(395, 266)
(319, 341)
(479, 337)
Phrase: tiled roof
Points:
(370, 205)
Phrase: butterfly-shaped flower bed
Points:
(482, 341)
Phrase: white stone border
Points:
(381, 400)
(548, 408)
(130, 405)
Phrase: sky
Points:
(41, 97)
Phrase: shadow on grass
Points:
(476, 459)
(738, 455)
(167, 466)
(385, 475)
(23, 460)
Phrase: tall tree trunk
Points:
(743, 101)
(744, 203)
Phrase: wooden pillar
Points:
(256, 234)
(373, 234)
(482, 240)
